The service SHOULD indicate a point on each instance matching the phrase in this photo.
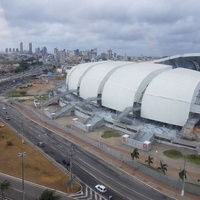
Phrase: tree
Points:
(49, 195)
(182, 175)
(163, 167)
(149, 160)
(5, 185)
(135, 154)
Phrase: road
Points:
(32, 191)
(90, 169)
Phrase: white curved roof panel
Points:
(93, 80)
(75, 74)
(126, 84)
(170, 95)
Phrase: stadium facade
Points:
(165, 93)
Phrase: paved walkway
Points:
(174, 166)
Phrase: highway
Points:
(90, 169)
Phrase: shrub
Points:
(9, 143)
(173, 154)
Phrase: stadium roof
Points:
(166, 95)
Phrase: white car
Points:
(7, 118)
(4, 108)
(101, 188)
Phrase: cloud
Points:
(156, 27)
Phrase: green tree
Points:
(49, 195)
(163, 167)
(135, 154)
(149, 160)
(182, 175)
(5, 185)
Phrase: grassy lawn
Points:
(17, 93)
(195, 159)
(109, 134)
(37, 168)
(173, 154)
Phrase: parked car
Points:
(40, 144)
(101, 188)
(4, 108)
(7, 118)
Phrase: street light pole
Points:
(155, 159)
(70, 167)
(99, 138)
(22, 156)
(183, 186)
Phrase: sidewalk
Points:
(174, 166)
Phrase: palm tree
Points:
(182, 175)
(163, 167)
(135, 154)
(149, 160)
(5, 185)
(49, 195)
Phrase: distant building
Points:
(61, 55)
(76, 52)
(6, 50)
(21, 47)
(103, 56)
(93, 55)
(110, 55)
(37, 51)
(44, 51)
(30, 48)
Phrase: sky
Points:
(134, 28)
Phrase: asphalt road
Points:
(90, 169)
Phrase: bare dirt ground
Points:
(37, 168)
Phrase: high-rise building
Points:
(37, 51)
(61, 55)
(56, 54)
(13, 49)
(44, 51)
(110, 55)
(30, 48)
(21, 47)
(6, 50)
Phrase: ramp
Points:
(63, 111)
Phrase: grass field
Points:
(37, 168)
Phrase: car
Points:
(66, 162)
(7, 118)
(40, 144)
(4, 108)
(101, 188)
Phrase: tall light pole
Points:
(183, 186)
(155, 159)
(71, 155)
(22, 154)
(22, 132)
(99, 138)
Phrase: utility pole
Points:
(22, 154)
(70, 157)
(183, 186)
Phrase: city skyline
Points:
(149, 28)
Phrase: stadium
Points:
(147, 101)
